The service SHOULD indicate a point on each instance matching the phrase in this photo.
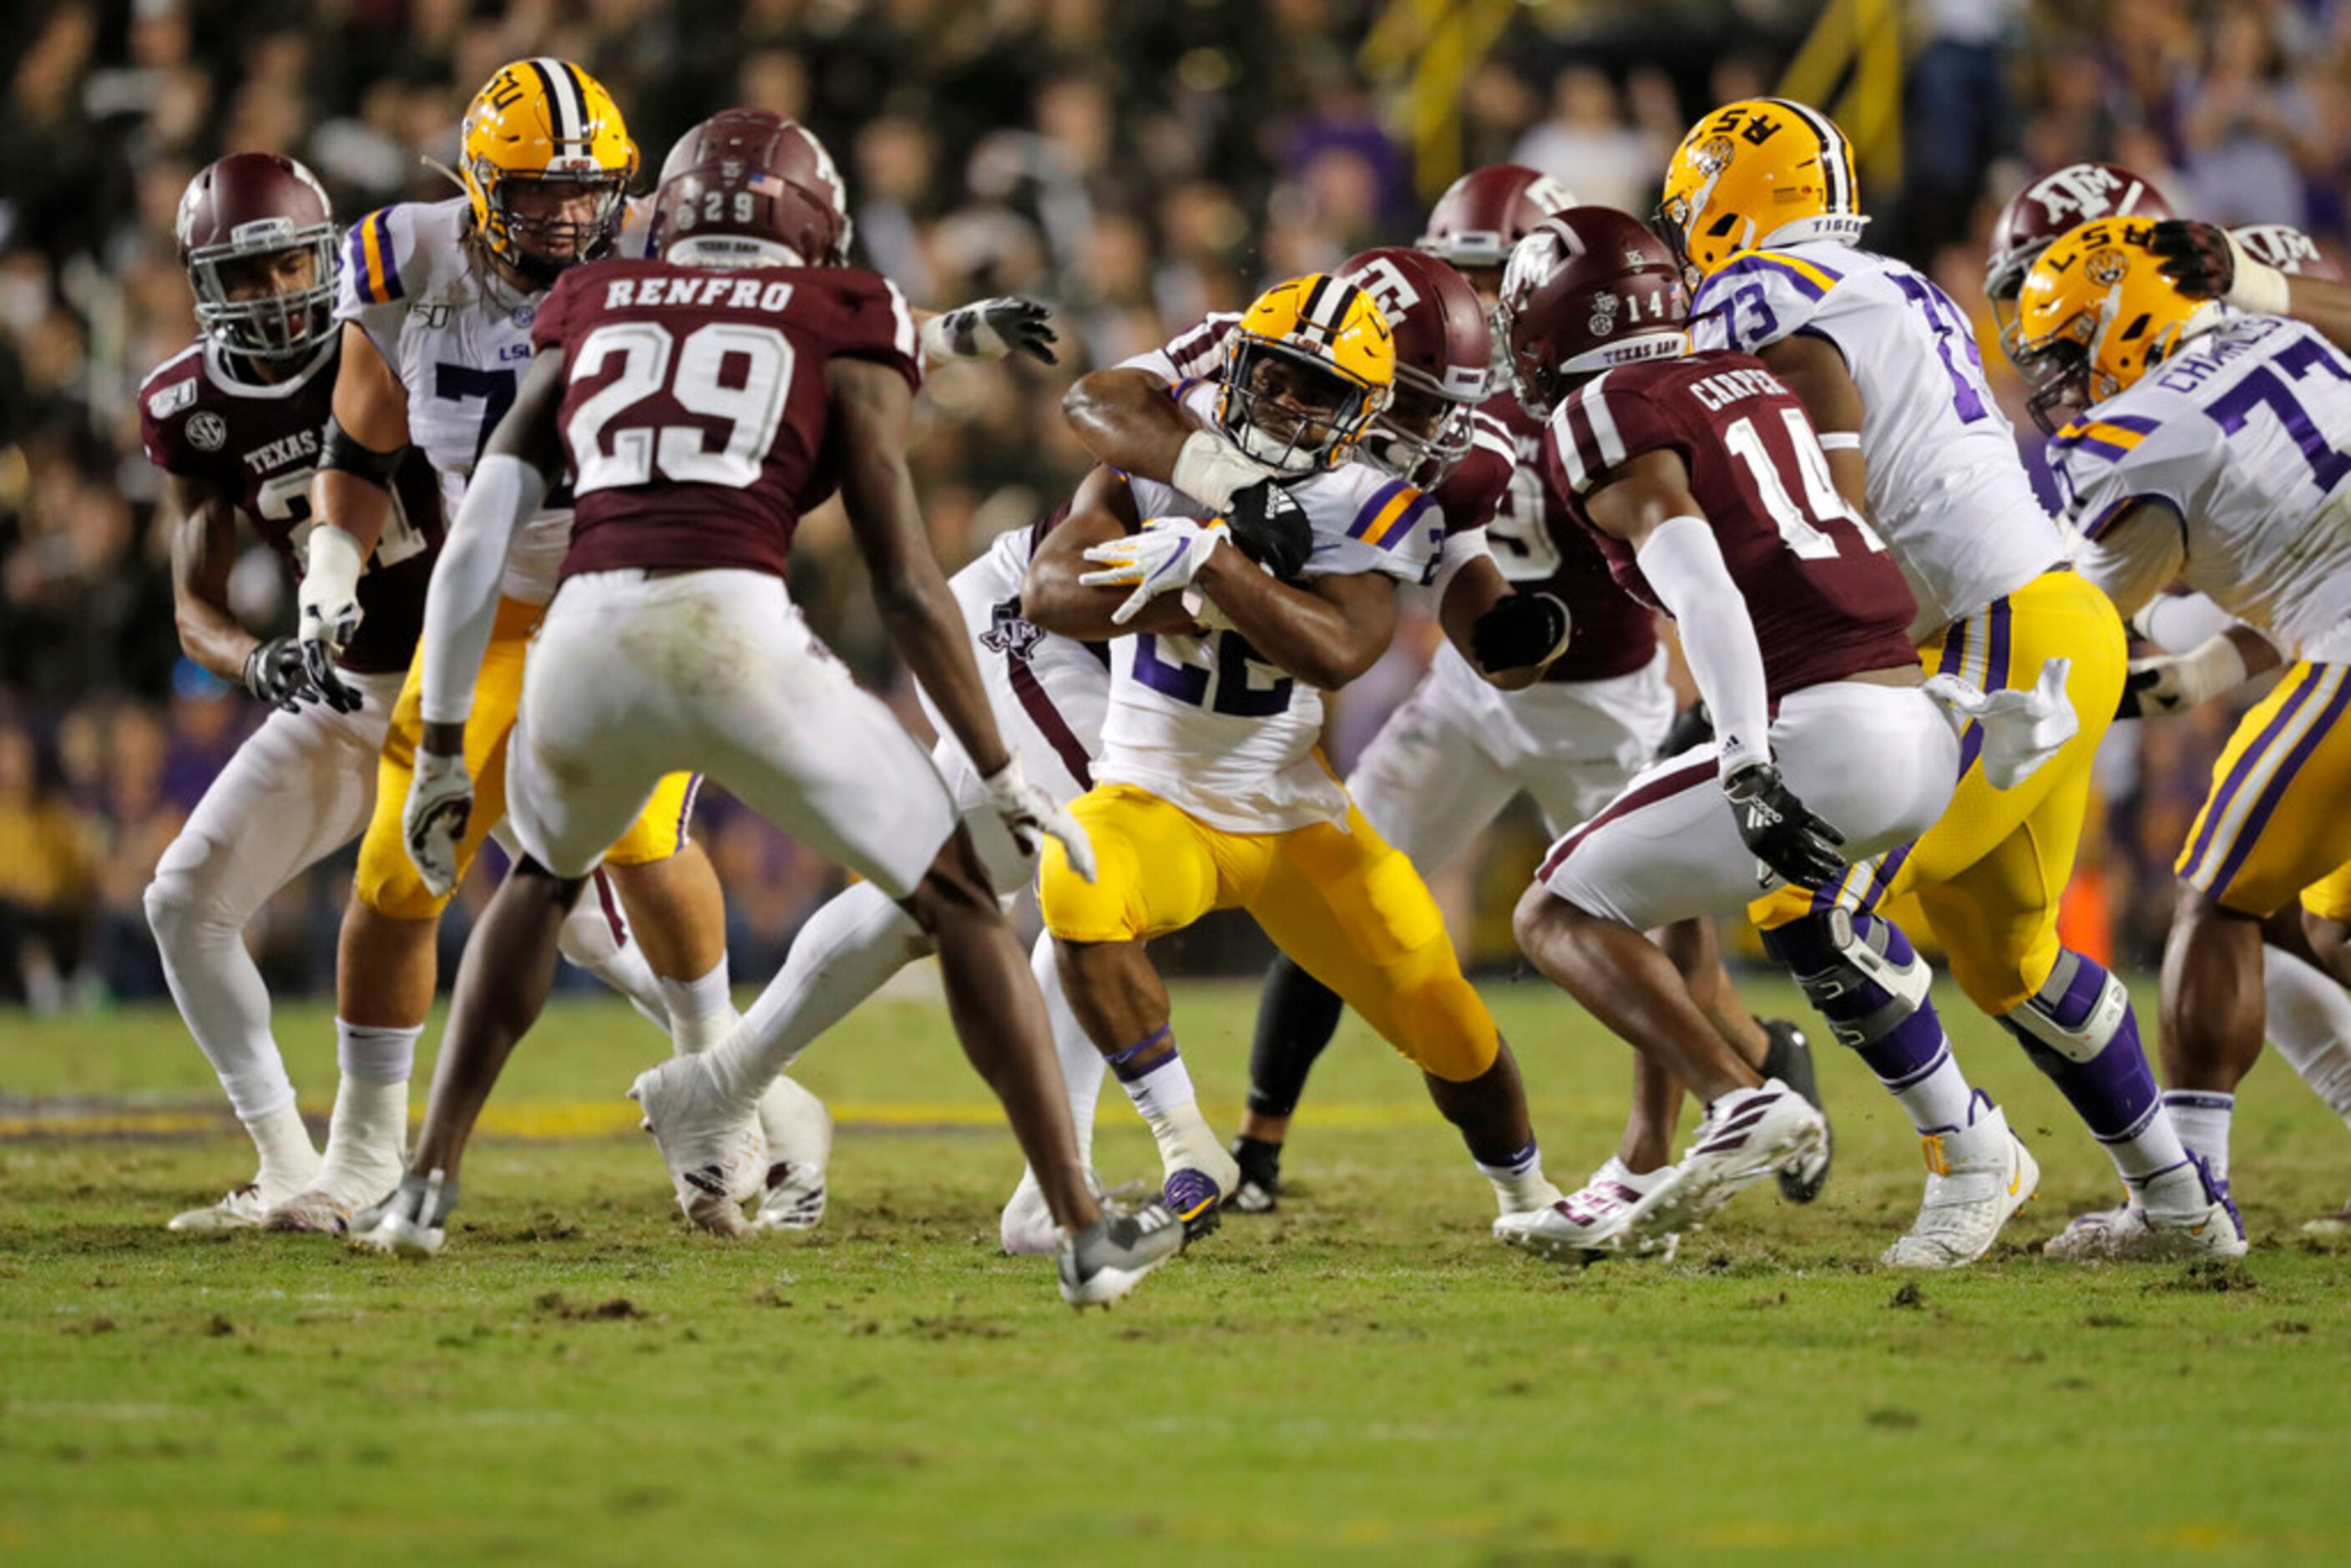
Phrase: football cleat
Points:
(798, 1131)
(412, 1222)
(240, 1209)
(1258, 1190)
(1789, 1059)
(313, 1212)
(1590, 1223)
(715, 1151)
(2335, 1224)
(2135, 1233)
(1747, 1135)
(793, 1199)
(1101, 1263)
(1977, 1177)
(1195, 1198)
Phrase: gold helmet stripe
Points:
(1835, 156)
(564, 97)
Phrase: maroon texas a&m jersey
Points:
(1542, 549)
(696, 405)
(257, 442)
(1826, 600)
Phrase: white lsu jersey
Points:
(1206, 724)
(459, 340)
(2246, 437)
(1947, 490)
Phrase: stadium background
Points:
(1134, 163)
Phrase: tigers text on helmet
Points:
(1444, 354)
(541, 131)
(1763, 171)
(1589, 289)
(2096, 313)
(749, 188)
(1307, 368)
(237, 211)
(2036, 216)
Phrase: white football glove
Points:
(1163, 558)
(440, 804)
(1030, 817)
(327, 611)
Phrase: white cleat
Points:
(2208, 1227)
(715, 1152)
(413, 1222)
(1589, 1223)
(313, 1212)
(1025, 1228)
(798, 1131)
(2336, 1224)
(1747, 1135)
(1977, 1179)
(241, 1209)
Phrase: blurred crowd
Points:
(1135, 164)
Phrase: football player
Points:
(2036, 216)
(704, 402)
(2210, 447)
(1701, 478)
(234, 421)
(1760, 201)
(437, 301)
(1209, 793)
(1453, 756)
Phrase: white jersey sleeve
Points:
(1195, 355)
(386, 265)
(1947, 489)
(2246, 437)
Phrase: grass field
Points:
(1364, 1375)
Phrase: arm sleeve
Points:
(462, 604)
(2176, 622)
(1193, 355)
(2138, 549)
(1684, 564)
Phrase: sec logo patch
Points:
(207, 432)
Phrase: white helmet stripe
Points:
(564, 98)
(1834, 152)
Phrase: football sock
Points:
(1259, 1159)
(1519, 1182)
(2079, 1030)
(700, 1011)
(289, 1162)
(1083, 1067)
(2310, 1024)
(843, 956)
(797, 1126)
(370, 1124)
(1296, 1017)
(1152, 1073)
(595, 938)
(2201, 1116)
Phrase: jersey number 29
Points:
(653, 359)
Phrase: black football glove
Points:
(991, 328)
(1692, 727)
(2195, 255)
(1269, 527)
(1783, 833)
(325, 681)
(1519, 630)
(275, 672)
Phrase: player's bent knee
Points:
(1441, 1024)
(1860, 972)
(2074, 1016)
(388, 885)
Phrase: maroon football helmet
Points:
(2048, 207)
(1487, 210)
(241, 213)
(749, 186)
(1588, 288)
(1444, 357)
(2288, 249)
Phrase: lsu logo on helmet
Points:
(1309, 365)
(541, 131)
(1760, 170)
(2096, 313)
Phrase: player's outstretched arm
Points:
(1127, 420)
(351, 498)
(1814, 370)
(1649, 504)
(1055, 594)
(2208, 263)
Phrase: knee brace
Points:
(1860, 971)
(2076, 1015)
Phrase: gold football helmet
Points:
(1760, 170)
(2096, 314)
(539, 137)
(1307, 368)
